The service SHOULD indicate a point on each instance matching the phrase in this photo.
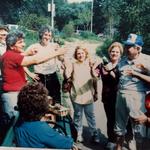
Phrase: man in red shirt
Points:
(13, 61)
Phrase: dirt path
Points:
(91, 46)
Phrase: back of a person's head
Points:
(13, 37)
(32, 101)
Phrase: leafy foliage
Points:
(68, 30)
(115, 19)
(99, 20)
(33, 21)
(78, 13)
(88, 35)
(135, 18)
(9, 12)
(103, 50)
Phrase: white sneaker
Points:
(80, 139)
(110, 146)
(132, 145)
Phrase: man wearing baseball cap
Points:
(134, 75)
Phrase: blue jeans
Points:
(128, 102)
(9, 101)
(89, 114)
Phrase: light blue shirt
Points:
(131, 83)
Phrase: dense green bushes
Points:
(88, 35)
(103, 50)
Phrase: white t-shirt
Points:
(49, 66)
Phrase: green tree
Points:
(33, 21)
(83, 17)
(135, 18)
(99, 21)
(68, 30)
(9, 12)
(63, 16)
(110, 11)
(79, 13)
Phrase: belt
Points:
(46, 75)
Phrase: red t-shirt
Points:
(12, 72)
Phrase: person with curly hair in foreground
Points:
(31, 130)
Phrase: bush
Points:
(88, 35)
(103, 49)
(59, 40)
(30, 37)
(68, 30)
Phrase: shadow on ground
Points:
(88, 144)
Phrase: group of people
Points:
(125, 81)
(14, 80)
(124, 98)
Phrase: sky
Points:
(71, 1)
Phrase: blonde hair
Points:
(84, 49)
(116, 44)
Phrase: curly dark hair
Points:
(33, 101)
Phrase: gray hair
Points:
(13, 37)
(44, 29)
(4, 27)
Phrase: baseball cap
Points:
(133, 40)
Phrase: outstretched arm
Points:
(43, 56)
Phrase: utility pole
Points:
(92, 15)
(51, 8)
(52, 14)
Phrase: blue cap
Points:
(134, 40)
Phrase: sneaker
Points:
(132, 145)
(95, 137)
(110, 146)
(80, 139)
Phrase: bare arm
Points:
(95, 61)
(68, 68)
(41, 57)
(142, 119)
(139, 75)
(142, 76)
(32, 75)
